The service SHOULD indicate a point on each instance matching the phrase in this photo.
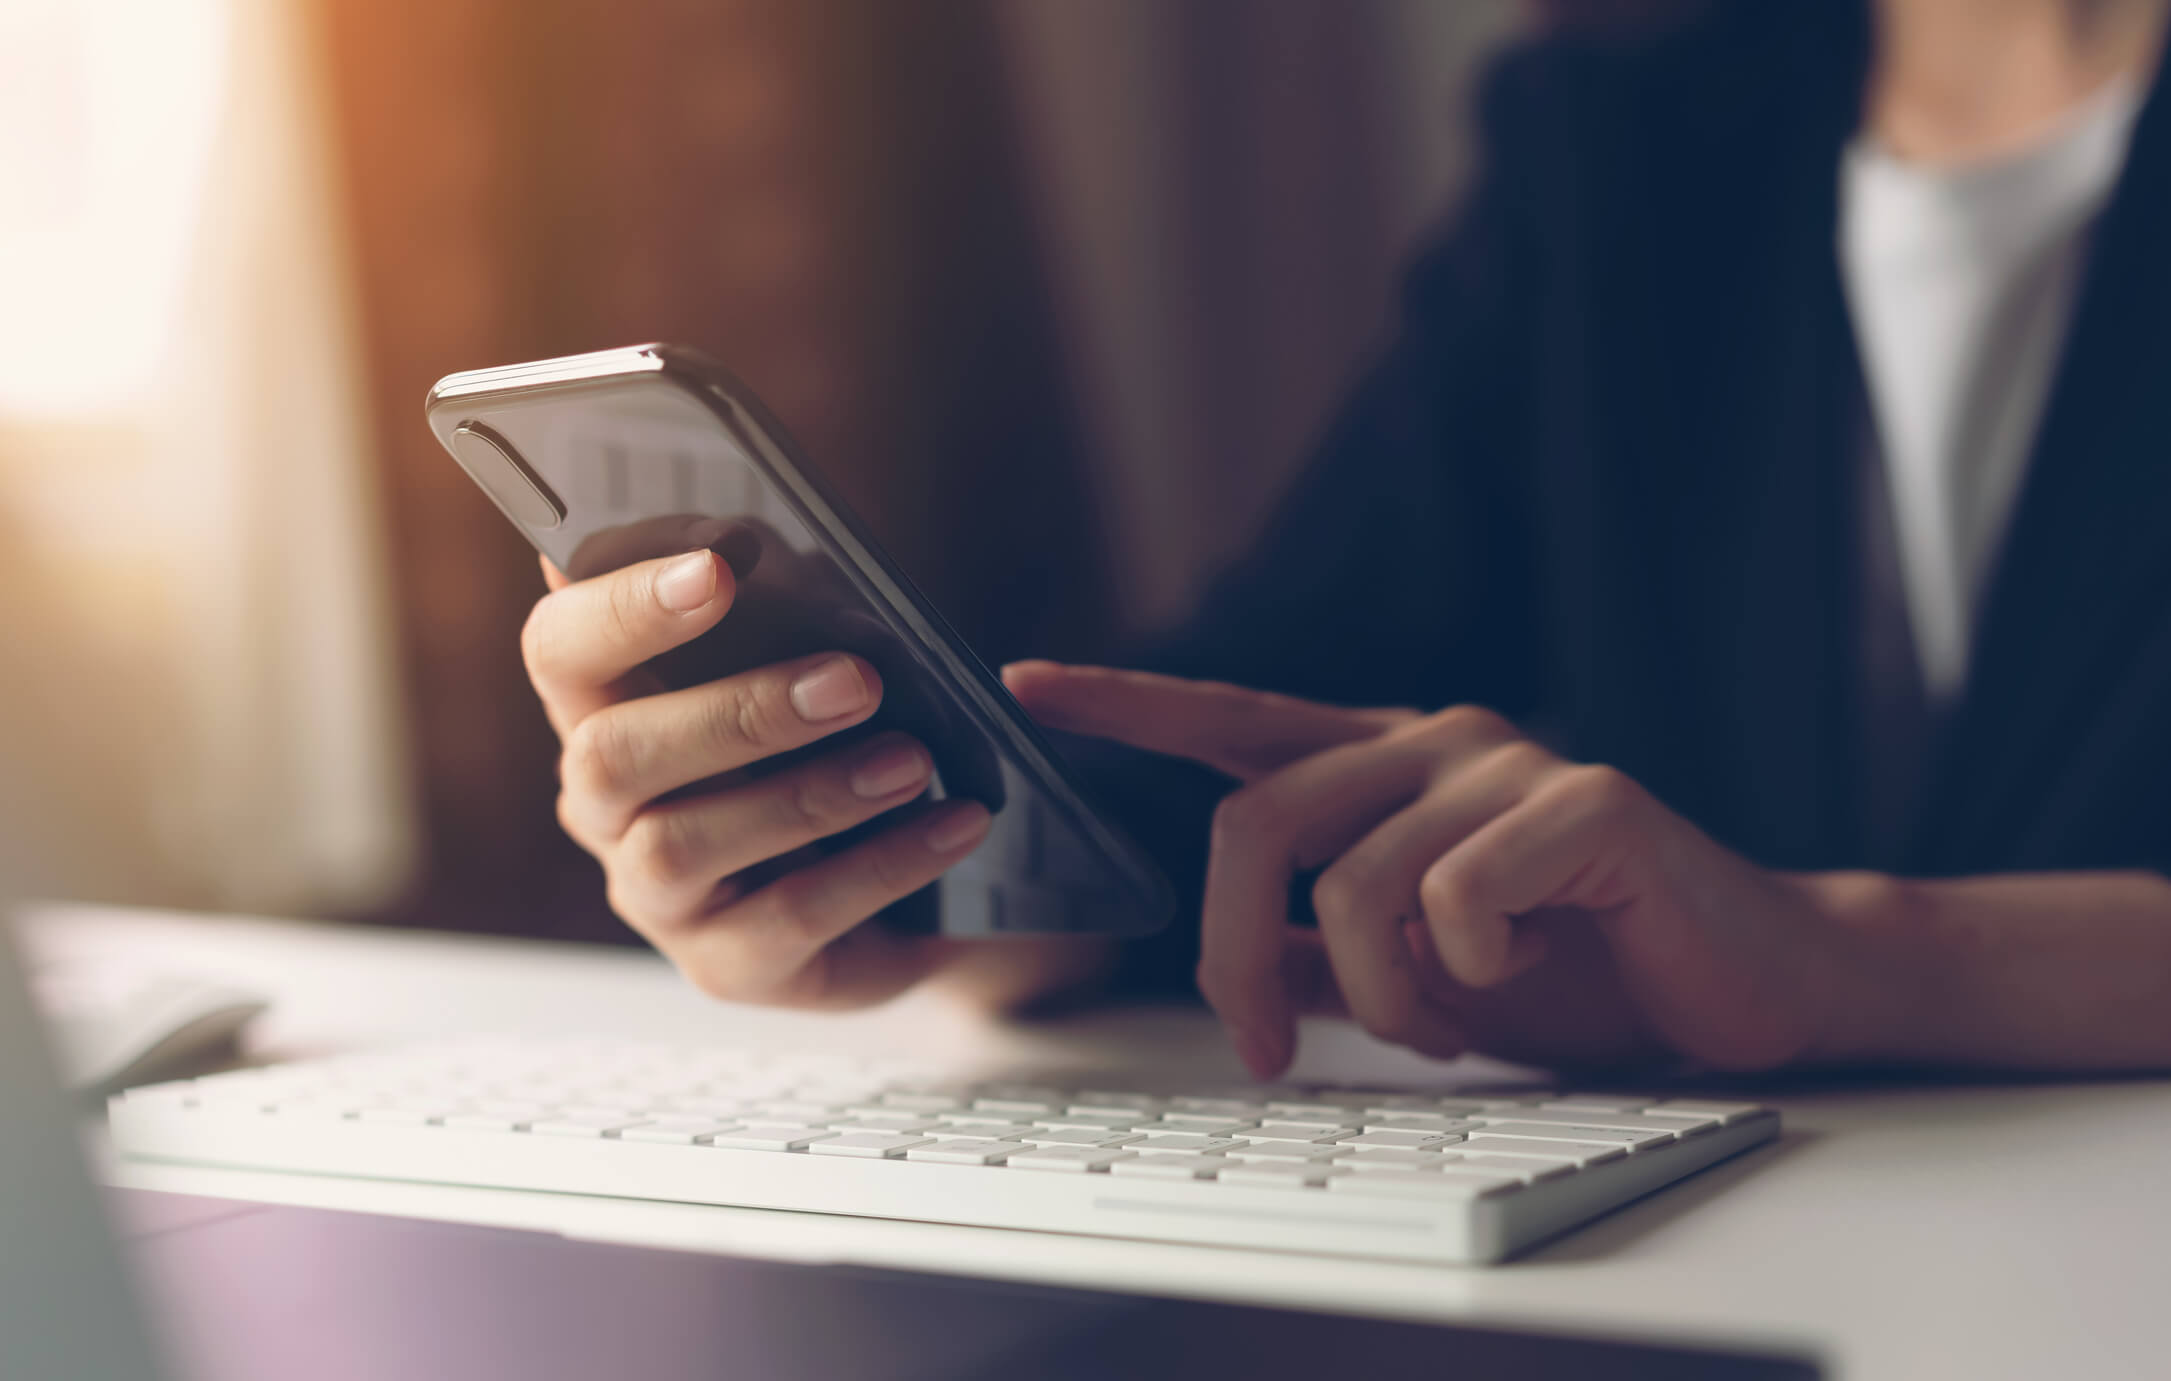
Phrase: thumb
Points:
(1244, 733)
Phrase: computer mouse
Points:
(114, 1025)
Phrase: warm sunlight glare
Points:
(108, 110)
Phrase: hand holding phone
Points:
(722, 878)
(769, 736)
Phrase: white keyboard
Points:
(1424, 1176)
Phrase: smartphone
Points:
(606, 459)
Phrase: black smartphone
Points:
(625, 455)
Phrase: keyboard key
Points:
(587, 1124)
(1399, 1141)
(1528, 1169)
(873, 1109)
(1431, 1126)
(1116, 1102)
(1178, 1141)
(1332, 1114)
(1422, 1184)
(1260, 1094)
(1727, 1113)
(1616, 1121)
(1282, 1150)
(1482, 1103)
(981, 1128)
(674, 1131)
(252, 1100)
(867, 1145)
(975, 1117)
(1087, 1121)
(1031, 1107)
(1686, 1123)
(1240, 1109)
(1202, 1127)
(1596, 1102)
(895, 1125)
(1451, 1108)
(1337, 1126)
(1285, 1131)
(1076, 1159)
(1212, 1110)
(1561, 1127)
(484, 1122)
(403, 1116)
(1074, 1136)
(1280, 1175)
(1358, 1099)
(1148, 1166)
(1395, 1160)
(770, 1138)
(963, 1151)
(1036, 1098)
(1573, 1152)
(1397, 1105)
(334, 1106)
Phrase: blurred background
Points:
(1057, 291)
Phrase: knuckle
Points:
(1337, 896)
(737, 717)
(1519, 759)
(626, 903)
(1594, 789)
(658, 848)
(597, 762)
(1472, 722)
(783, 908)
(1245, 816)
(1447, 890)
(569, 821)
(536, 638)
(811, 805)
(890, 873)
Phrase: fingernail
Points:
(833, 689)
(687, 583)
(957, 828)
(889, 770)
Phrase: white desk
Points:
(1907, 1232)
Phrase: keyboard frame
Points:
(1480, 1231)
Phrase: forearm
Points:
(2064, 971)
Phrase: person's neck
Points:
(1959, 80)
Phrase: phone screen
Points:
(641, 464)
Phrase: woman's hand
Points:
(722, 878)
(1478, 892)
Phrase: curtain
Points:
(197, 702)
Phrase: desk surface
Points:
(1904, 1230)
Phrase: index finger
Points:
(1263, 836)
(582, 639)
(1234, 730)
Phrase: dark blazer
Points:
(1604, 481)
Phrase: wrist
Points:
(1877, 992)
